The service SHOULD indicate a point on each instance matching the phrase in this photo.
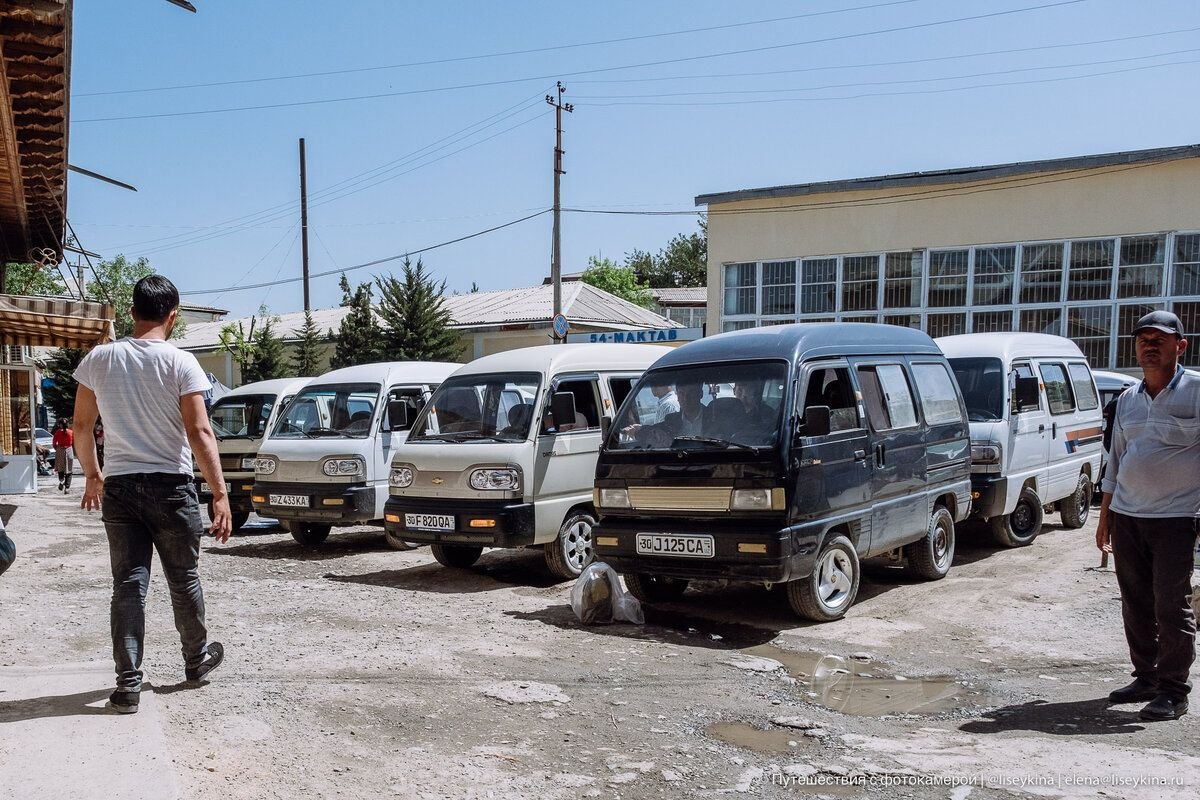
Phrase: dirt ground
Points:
(356, 671)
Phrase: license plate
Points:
(687, 546)
(248, 464)
(297, 500)
(205, 490)
(429, 522)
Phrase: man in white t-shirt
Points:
(151, 395)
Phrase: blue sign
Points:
(560, 326)
(652, 336)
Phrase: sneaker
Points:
(124, 702)
(1164, 707)
(1140, 691)
(212, 660)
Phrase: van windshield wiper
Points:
(313, 433)
(712, 440)
(236, 436)
(465, 436)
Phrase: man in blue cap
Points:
(1150, 514)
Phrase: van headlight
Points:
(756, 500)
(506, 480)
(264, 466)
(401, 477)
(985, 454)
(341, 467)
(612, 498)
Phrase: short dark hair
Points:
(154, 298)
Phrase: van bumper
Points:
(513, 521)
(329, 503)
(241, 489)
(786, 553)
(988, 493)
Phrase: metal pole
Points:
(304, 222)
(556, 246)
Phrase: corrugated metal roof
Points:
(686, 294)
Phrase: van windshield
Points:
(495, 407)
(243, 416)
(710, 406)
(981, 381)
(339, 411)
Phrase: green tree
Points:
(59, 368)
(306, 361)
(606, 274)
(357, 339)
(416, 322)
(269, 359)
(28, 279)
(114, 283)
(683, 262)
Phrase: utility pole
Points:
(556, 248)
(304, 222)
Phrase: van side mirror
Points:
(562, 406)
(397, 414)
(1026, 392)
(815, 422)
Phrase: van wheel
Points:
(655, 588)
(567, 555)
(456, 556)
(396, 543)
(240, 519)
(1074, 509)
(309, 534)
(829, 591)
(931, 556)
(1023, 525)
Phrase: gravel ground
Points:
(356, 671)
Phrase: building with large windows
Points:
(1079, 247)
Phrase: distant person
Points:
(64, 464)
(8, 550)
(668, 403)
(1150, 517)
(151, 395)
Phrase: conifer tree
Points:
(306, 361)
(416, 322)
(269, 361)
(357, 341)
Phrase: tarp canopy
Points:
(54, 321)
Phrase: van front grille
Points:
(234, 462)
(680, 498)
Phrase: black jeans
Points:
(159, 511)
(1154, 570)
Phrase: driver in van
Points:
(692, 419)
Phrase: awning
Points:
(54, 322)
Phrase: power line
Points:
(599, 70)
(530, 51)
(265, 255)
(377, 261)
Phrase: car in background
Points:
(43, 438)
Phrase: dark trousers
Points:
(1154, 570)
(141, 513)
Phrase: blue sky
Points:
(217, 200)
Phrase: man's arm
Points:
(204, 448)
(84, 423)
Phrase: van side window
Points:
(887, 397)
(832, 387)
(1058, 390)
(1081, 382)
(587, 407)
(620, 389)
(939, 401)
(1021, 371)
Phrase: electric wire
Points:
(264, 257)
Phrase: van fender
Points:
(550, 513)
(1017, 484)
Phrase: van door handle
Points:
(860, 455)
(879, 453)
(1041, 428)
(1054, 431)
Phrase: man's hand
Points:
(93, 490)
(222, 522)
(1103, 543)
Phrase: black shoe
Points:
(1140, 691)
(1164, 707)
(124, 702)
(216, 654)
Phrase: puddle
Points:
(747, 737)
(864, 688)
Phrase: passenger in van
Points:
(692, 419)
(668, 403)
(758, 419)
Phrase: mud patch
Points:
(768, 742)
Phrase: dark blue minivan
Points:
(786, 454)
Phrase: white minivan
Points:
(1035, 429)
(504, 454)
(325, 462)
(240, 419)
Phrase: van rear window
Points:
(939, 400)
(1085, 391)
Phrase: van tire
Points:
(308, 533)
(1022, 526)
(931, 556)
(571, 551)
(655, 588)
(455, 556)
(1074, 509)
(396, 543)
(238, 520)
(828, 593)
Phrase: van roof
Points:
(1007, 346)
(276, 386)
(805, 340)
(551, 359)
(389, 372)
